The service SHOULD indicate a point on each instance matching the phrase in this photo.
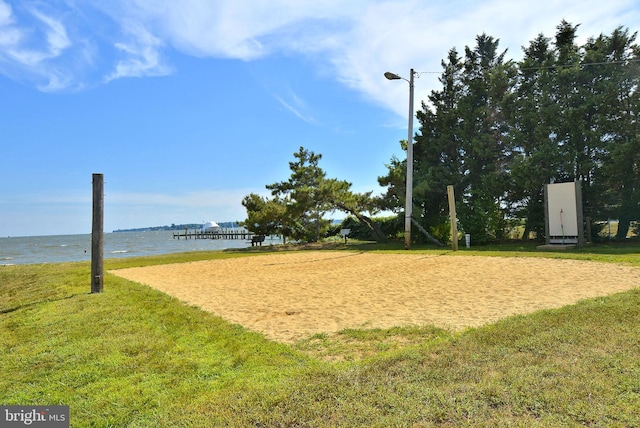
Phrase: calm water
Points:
(69, 248)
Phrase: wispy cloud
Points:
(57, 39)
(360, 40)
(240, 29)
(14, 39)
(9, 35)
(354, 42)
(30, 51)
(296, 106)
(141, 55)
(398, 36)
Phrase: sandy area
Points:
(291, 296)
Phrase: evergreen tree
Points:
(265, 216)
(617, 73)
(464, 142)
(299, 204)
(437, 151)
(536, 157)
(308, 197)
(500, 131)
(485, 140)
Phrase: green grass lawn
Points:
(132, 356)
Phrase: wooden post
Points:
(452, 213)
(97, 235)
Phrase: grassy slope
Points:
(132, 356)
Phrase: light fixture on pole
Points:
(409, 196)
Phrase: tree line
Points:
(498, 131)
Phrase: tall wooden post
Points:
(97, 235)
(454, 222)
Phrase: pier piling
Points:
(214, 234)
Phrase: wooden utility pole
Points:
(97, 235)
(454, 222)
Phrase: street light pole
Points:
(409, 195)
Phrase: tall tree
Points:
(437, 150)
(298, 205)
(309, 197)
(577, 99)
(485, 139)
(616, 72)
(534, 118)
(463, 141)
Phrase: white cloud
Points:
(9, 36)
(57, 39)
(5, 13)
(356, 41)
(142, 55)
(15, 42)
(397, 37)
(362, 39)
(238, 29)
(28, 51)
(296, 106)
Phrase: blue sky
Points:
(187, 106)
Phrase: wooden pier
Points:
(232, 233)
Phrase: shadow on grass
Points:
(39, 302)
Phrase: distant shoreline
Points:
(228, 224)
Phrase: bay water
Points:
(71, 248)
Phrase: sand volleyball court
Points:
(295, 295)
